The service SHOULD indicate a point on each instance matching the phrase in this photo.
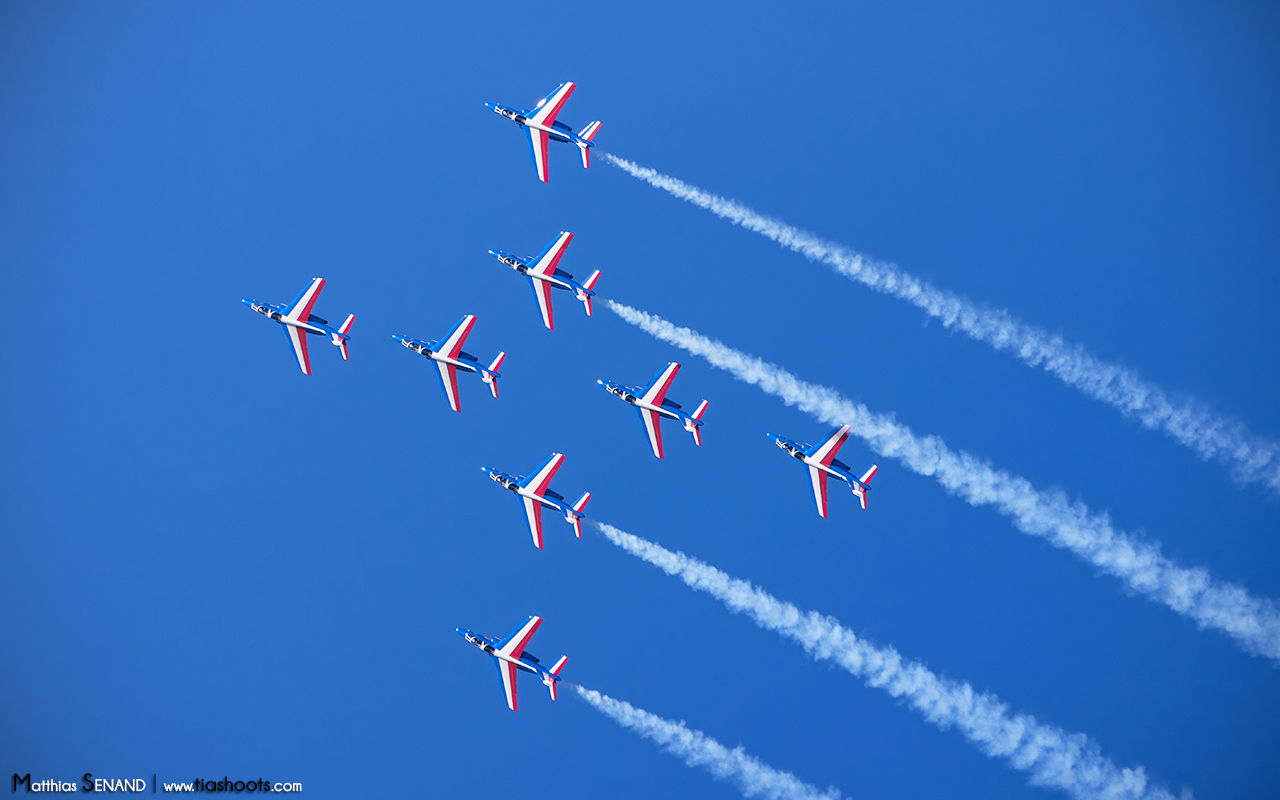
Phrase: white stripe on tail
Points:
(694, 423)
(341, 341)
(588, 133)
(574, 514)
(490, 375)
(555, 670)
(588, 285)
(858, 488)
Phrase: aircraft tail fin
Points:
(551, 679)
(573, 515)
(588, 285)
(694, 422)
(860, 488)
(588, 133)
(341, 340)
(490, 375)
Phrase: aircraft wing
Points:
(819, 479)
(449, 382)
(652, 427)
(298, 341)
(542, 293)
(657, 388)
(541, 478)
(451, 344)
(513, 644)
(538, 151)
(533, 512)
(544, 263)
(300, 308)
(548, 107)
(507, 672)
(826, 451)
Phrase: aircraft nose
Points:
(247, 302)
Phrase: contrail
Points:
(1251, 459)
(1254, 623)
(754, 778)
(1054, 758)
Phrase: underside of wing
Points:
(653, 427)
(542, 476)
(819, 479)
(533, 512)
(826, 451)
(449, 382)
(300, 308)
(452, 344)
(507, 672)
(549, 107)
(538, 151)
(548, 261)
(298, 341)
(542, 293)
(656, 391)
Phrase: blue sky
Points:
(218, 566)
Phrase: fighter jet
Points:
(543, 276)
(510, 658)
(535, 494)
(449, 357)
(297, 321)
(821, 460)
(651, 403)
(539, 125)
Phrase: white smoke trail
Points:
(1254, 623)
(1251, 458)
(753, 777)
(1054, 758)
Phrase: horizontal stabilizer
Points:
(490, 375)
(574, 515)
(869, 474)
(702, 409)
(341, 341)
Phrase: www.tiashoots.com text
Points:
(88, 783)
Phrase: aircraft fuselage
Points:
(521, 119)
(508, 482)
(426, 351)
(632, 395)
(486, 645)
(797, 451)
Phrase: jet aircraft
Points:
(539, 125)
(535, 493)
(510, 658)
(821, 460)
(297, 321)
(651, 403)
(449, 357)
(543, 276)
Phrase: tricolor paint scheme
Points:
(449, 357)
(535, 493)
(539, 125)
(298, 321)
(651, 403)
(821, 460)
(510, 658)
(544, 275)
